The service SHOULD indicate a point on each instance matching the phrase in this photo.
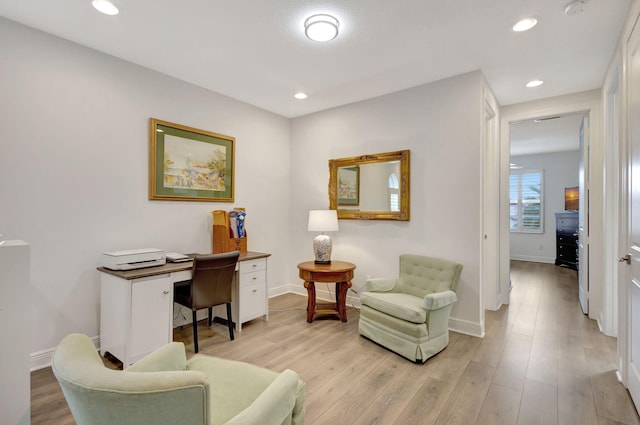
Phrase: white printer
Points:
(133, 259)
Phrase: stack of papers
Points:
(174, 257)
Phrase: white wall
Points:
(560, 170)
(74, 171)
(441, 124)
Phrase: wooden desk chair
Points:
(210, 285)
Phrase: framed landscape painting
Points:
(187, 164)
(349, 186)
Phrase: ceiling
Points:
(255, 50)
(546, 135)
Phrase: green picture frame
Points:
(349, 186)
(188, 164)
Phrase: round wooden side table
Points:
(340, 272)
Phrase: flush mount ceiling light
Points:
(300, 95)
(534, 83)
(106, 7)
(576, 7)
(525, 24)
(321, 27)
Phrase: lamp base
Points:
(322, 249)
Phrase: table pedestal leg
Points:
(311, 300)
(341, 299)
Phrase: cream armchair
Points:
(165, 388)
(410, 314)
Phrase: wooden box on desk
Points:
(222, 241)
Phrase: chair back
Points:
(98, 395)
(421, 275)
(212, 279)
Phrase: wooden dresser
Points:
(567, 239)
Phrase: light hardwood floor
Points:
(542, 362)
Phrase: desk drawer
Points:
(181, 276)
(259, 277)
(253, 265)
(253, 301)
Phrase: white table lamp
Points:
(322, 221)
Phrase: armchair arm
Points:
(438, 300)
(274, 405)
(380, 284)
(170, 357)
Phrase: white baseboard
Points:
(466, 327)
(534, 259)
(42, 359)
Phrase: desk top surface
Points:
(171, 267)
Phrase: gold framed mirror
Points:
(370, 187)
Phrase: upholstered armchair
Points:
(165, 388)
(410, 314)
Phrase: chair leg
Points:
(195, 331)
(210, 315)
(230, 321)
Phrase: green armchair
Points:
(165, 388)
(410, 314)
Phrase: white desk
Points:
(136, 314)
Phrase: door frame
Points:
(623, 58)
(588, 103)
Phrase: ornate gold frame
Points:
(403, 156)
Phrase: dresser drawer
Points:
(565, 239)
(567, 253)
(567, 225)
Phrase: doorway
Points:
(544, 170)
(586, 104)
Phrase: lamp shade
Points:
(323, 221)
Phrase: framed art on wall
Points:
(349, 186)
(187, 164)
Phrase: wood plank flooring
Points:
(542, 362)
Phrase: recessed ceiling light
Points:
(534, 83)
(106, 7)
(525, 24)
(321, 27)
(300, 95)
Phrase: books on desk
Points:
(174, 257)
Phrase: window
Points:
(394, 193)
(526, 201)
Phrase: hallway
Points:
(555, 354)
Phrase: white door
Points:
(583, 219)
(631, 291)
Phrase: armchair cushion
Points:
(249, 382)
(170, 357)
(438, 300)
(272, 406)
(403, 306)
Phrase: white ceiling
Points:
(255, 50)
(546, 135)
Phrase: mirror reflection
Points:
(370, 187)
